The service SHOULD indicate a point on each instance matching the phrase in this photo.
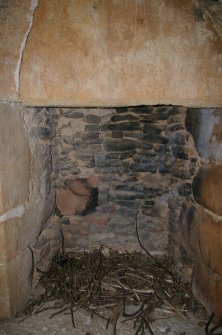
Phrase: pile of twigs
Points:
(106, 282)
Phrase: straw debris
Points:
(107, 282)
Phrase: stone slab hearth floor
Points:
(38, 324)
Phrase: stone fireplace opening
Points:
(106, 176)
(130, 147)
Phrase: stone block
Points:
(187, 231)
(96, 219)
(47, 245)
(121, 56)
(3, 245)
(210, 240)
(200, 244)
(208, 289)
(14, 158)
(17, 233)
(205, 127)
(16, 18)
(207, 186)
(15, 283)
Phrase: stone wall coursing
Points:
(200, 221)
(114, 167)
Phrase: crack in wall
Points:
(34, 5)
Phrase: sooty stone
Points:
(148, 204)
(115, 145)
(185, 190)
(156, 138)
(175, 127)
(125, 195)
(91, 136)
(65, 221)
(111, 155)
(122, 110)
(92, 127)
(142, 109)
(165, 169)
(126, 155)
(123, 126)
(72, 114)
(180, 152)
(145, 167)
(128, 204)
(94, 119)
(125, 117)
(117, 134)
(179, 138)
(46, 133)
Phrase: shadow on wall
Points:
(205, 125)
(200, 223)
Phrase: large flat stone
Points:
(17, 233)
(208, 289)
(15, 21)
(118, 53)
(15, 283)
(200, 243)
(14, 158)
(207, 186)
(26, 201)
(201, 237)
(205, 126)
(210, 239)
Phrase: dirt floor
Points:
(168, 319)
(38, 324)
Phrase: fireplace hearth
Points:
(110, 128)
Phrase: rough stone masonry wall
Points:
(199, 227)
(112, 167)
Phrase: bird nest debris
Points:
(106, 282)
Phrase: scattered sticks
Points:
(215, 329)
(110, 284)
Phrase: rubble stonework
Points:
(200, 221)
(113, 168)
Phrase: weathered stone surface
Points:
(14, 158)
(207, 186)
(205, 126)
(210, 239)
(97, 219)
(15, 17)
(208, 288)
(190, 219)
(200, 241)
(15, 283)
(48, 244)
(26, 199)
(121, 53)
